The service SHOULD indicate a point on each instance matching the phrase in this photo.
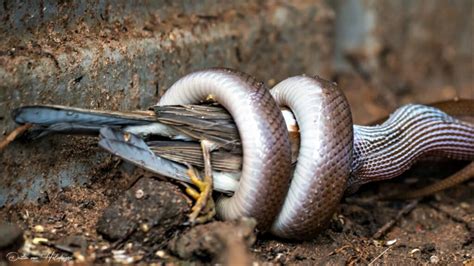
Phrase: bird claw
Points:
(204, 207)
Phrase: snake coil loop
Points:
(333, 155)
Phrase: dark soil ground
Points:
(129, 216)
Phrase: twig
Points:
(13, 135)
(380, 255)
(408, 208)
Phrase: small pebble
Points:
(171, 36)
(415, 250)
(145, 228)
(434, 259)
(139, 194)
(38, 229)
(465, 205)
(391, 242)
(160, 253)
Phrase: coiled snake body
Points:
(329, 142)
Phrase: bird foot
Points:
(204, 208)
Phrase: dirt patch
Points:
(145, 212)
(437, 229)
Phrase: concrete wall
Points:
(115, 56)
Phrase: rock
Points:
(217, 242)
(11, 238)
(434, 259)
(160, 208)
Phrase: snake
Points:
(334, 156)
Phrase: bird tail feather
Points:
(69, 120)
